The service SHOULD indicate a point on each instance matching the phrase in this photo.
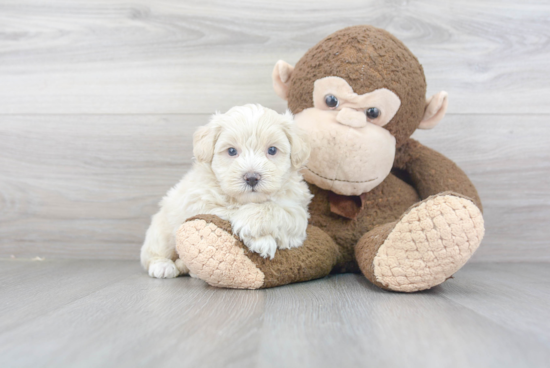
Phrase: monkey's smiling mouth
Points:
(343, 181)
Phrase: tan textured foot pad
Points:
(212, 254)
(430, 243)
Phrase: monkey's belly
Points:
(385, 203)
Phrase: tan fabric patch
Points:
(347, 161)
(429, 244)
(211, 254)
(385, 100)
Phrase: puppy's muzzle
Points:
(252, 179)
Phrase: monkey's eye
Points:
(373, 113)
(331, 101)
(232, 151)
(272, 150)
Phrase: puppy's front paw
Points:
(284, 241)
(163, 268)
(295, 241)
(181, 267)
(265, 245)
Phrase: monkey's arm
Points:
(433, 173)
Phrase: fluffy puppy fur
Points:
(232, 147)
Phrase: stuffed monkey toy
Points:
(384, 205)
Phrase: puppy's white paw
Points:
(181, 267)
(287, 242)
(163, 269)
(296, 241)
(265, 245)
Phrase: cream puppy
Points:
(245, 171)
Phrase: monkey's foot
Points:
(430, 242)
(212, 253)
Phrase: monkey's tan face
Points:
(351, 152)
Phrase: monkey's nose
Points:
(352, 118)
(252, 179)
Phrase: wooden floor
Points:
(111, 314)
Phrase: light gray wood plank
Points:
(86, 186)
(340, 320)
(9, 266)
(37, 288)
(114, 56)
(137, 321)
(346, 321)
(514, 295)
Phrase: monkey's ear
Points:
(204, 140)
(281, 78)
(436, 107)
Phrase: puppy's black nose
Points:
(252, 179)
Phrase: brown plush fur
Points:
(431, 172)
(368, 246)
(368, 58)
(385, 203)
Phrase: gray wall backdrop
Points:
(99, 98)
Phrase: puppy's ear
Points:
(299, 145)
(204, 140)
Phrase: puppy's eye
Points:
(272, 150)
(373, 113)
(331, 101)
(232, 151)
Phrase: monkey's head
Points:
(359, 94)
